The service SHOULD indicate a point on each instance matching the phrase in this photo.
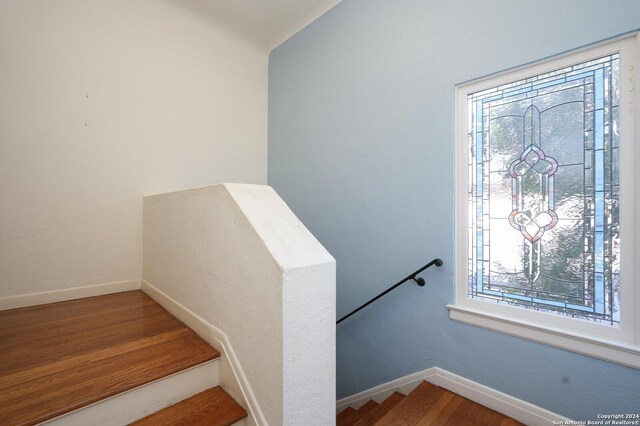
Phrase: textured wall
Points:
(361, 147)
(102, 102)
(239, 258)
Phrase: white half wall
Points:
(101, 103)
(237, 257)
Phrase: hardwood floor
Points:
(59, 357)
(426, 405)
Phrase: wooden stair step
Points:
(435, 410)
(356, 415)
(374, 415)
(64, 356)
(445, 416)
(343, 415)
(412, 407)
(472, 412)
(452, 409)
(349, 418)
(367, 407)
(213, 407)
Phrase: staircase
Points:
(123, 359)
(108, 360)
(427, 404)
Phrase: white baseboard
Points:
(137, 403)
(218, 339)
(32, 299)
(506, 404)
(379, 393)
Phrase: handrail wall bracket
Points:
(420, 281)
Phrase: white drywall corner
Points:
(235, 255)
(308, 307)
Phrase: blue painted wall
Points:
(361, 146)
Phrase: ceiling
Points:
(267, 22)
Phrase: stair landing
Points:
(59, 357)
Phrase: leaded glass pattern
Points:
(543, 192)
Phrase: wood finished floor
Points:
(213, 407)
(59, 357)
(425, 405)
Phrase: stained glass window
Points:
(543, 192)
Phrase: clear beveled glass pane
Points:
(504, 135)
(569, 192)
(563, 131)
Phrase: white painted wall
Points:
(237, 257)
(102, 102)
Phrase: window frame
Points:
(617, 344)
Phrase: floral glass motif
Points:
(544, 192)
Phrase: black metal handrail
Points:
(419, 281)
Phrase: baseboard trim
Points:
(379, 393)
(32, 299)
(216, 338)
(508, 405)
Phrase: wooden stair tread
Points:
(413, 406)
(86, 350)
(350, 419)
(444, 416)
(344, 415)
(472, 412)
(367, 407)
(374, 415)
(434, 411)
(359, 413)
(213, 407)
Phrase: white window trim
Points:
(617, 344)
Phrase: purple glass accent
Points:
(530, 157)
(532, 224)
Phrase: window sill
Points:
(620, 353)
